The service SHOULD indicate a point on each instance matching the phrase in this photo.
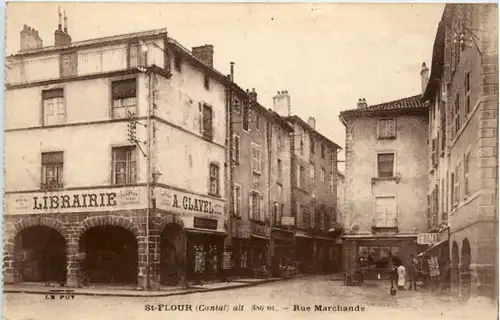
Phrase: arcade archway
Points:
(455, 271)
(465, 274)
(171, 256)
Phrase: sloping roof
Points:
(96, 41)
(414, 102)
(437, 63)
(297, 119)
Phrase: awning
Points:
(433, 247)
(258, 236)
(326, 239)
(206, 231)
(298, 235)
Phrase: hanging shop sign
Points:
(258, 229)
(288, 221)
(428, 238)
(187, 203)
(90, 200)
(434, 267)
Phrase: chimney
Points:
(312, 122)
(205, 54)
(424, 77)
(30, 39)
(282, 103)
(253, 95)
(62, 38)
(362, 103)
(232, 71)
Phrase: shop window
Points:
(377, 257)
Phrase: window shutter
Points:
(262, 214)
(200, 116)
(123, 89)
(250, 206)
(51, 94)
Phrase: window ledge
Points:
(256, 172)
(214, 195)
(387, 138)
(379, 179)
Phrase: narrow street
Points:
(277, 299)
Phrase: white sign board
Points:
(428, 238)
(187, 203)
(288, 221)
(65, 201)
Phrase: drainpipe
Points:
(270, 202)
(230, 161)
(150, 190)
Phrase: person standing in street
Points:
(401, 276)
(413, 273)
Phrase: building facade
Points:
(463, 95)
(386, 162)
(314, 190)
(147, 206)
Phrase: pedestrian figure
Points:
(401, 271)
(394, 276)
(413, 273)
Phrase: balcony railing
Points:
(382, 223)
(82, 63)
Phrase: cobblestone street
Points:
(278, 296)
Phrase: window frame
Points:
(57, 99)
(237, 200)
(217, 179)
(395, 216)
(312, 172)
(379, 128)
(255, 146)
(393, 164)
(206, 81)
(56, 182)
(125, 107)
(322, 178)
(207, 134)
(236, 149)
(133, 158)
(467, 94)
(466, 170)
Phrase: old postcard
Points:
(250, 160)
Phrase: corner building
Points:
(86, 201)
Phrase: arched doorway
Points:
(110, 255)
(455, 271)
(171, 262)
(465, 276)
(40, 255)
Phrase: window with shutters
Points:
(207, 122)
(456, 114)
(443, 127)
(124, 98)
(256, 158)
(302, 177)
(52, 170)
(387, 128)
(124, 165)
(322, 176)
(466, 172)
(467, 93)
(68, 64)
(246, 116)
(54, 109)
(312, 173)
(433, 153)
(237, 201)
(255, 210)
(214, 180)
(236, 149)
(385, 165)
(385, 212)
(137, 55)
(456, 185)
(280, 171)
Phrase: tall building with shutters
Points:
(115, 157)
(463, 113)
(386, 180)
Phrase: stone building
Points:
(147, 205)
(463, 96)
(314, 190)
(385, 183)
(261, 183)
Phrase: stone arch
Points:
(455, 271)
(465, 273)
(172, 245)
(108, 220)
(24, 223)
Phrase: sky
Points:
(326, 55)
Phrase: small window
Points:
(254, 208)
(52, 170)
(236, 149)
(237, 201)
(323, 175)
(312, 173)
(178, 62)
(54, 109)
(306, 218)
(124, 98)
(237, 106)
(207, 127)
(280, 141)
(256, 158)
(466, 172)
(124, 165)
(323, 152)
(386, 129)
(302, 177)
(280, 171)
(206, 82)
(385, 212)
(257, 121)
(246, 116)
(385, 165)
(137, 55)
(214, 180)
(467, 93)
(456, 186)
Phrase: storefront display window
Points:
(377, 257)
